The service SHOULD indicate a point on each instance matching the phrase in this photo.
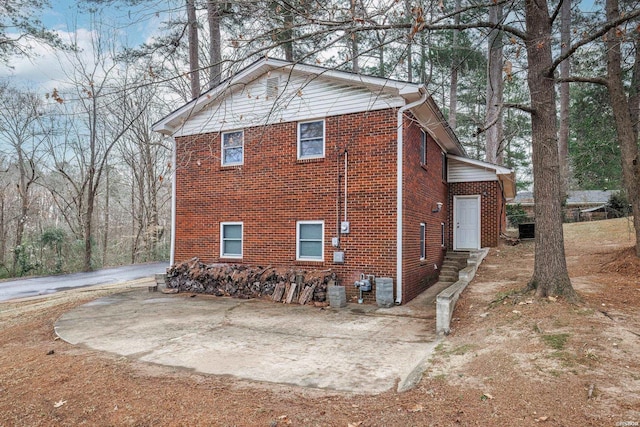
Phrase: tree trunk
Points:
(455, 64)
(215, 51)
(288, 33)
(194, 67)
(550, 275)
(494, 132)
(3, 231)
(622, 112)
(354, 42)
(88, 233)
(105, 236)
(565, 68)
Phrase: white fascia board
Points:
(499, 170)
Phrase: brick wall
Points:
(423, 188)
(492, 207)
(272, 190)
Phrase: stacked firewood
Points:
(241, 281)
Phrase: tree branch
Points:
(601, 32)
(579, 79)
(521, 107)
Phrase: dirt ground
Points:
(510, 360)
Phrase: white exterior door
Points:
(466, 222)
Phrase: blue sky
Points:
(45, 70)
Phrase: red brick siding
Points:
(423, 188)
(272, 190)
(492, 214)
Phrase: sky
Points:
(46, 69)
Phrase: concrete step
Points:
(448, 277)
(451, 254)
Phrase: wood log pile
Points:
(285, 285)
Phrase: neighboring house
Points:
(301, 166)
(580, 205)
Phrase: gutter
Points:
(399, 195)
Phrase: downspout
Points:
(346, 162)
(172, 254)
(399, 197)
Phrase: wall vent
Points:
(272, 87)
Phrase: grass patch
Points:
(502, 296)
(555, 341)
(461, 350)
(456, 351)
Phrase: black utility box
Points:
(527, 230)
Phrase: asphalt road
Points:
(21, 288)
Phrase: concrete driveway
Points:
(361, 348)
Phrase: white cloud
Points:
(45, 69)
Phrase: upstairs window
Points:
(233, 148)
(311, 140)
(231, 240)
(444, 166)
(310, 240)
(423, 148)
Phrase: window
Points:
(444, 166)
(423, 148)
(231, 240)
(311, 140)
(232, 148)
(442, 234)
(310, 240)
(423, 251)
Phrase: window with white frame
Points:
(423, 249)
(231, 240)
(311, 139)
(233, 148)
(310, 240)
(423, 148)
(442, 234)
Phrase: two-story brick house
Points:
(298, 165)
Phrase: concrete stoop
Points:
(446, 300)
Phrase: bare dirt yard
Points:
(510, 360)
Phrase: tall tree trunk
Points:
(288, 33)
(105, 236)
(565, 68)
(134, 240)
(550, 274)
(355, 54)
(88, 232)
(494, 132)
(455, 64)
(194, 67)
(25, 180)
(628, 139)
(3, 232)
(214, 14)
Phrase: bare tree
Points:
(22, 136)
(81, 159)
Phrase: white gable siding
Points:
(301, 98)
(462, 172)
